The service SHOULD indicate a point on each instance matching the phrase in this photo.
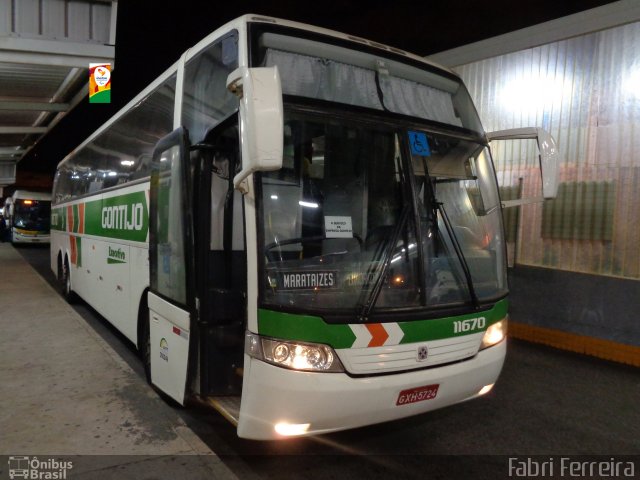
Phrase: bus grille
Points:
(375, 360)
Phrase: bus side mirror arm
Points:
(549, 156)
(261, 120)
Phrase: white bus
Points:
(300, 227)
(27, 216)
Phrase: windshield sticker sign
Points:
(306, 280)
(419, 144)
(338, 227)
(362, 279)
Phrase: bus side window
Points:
(206, 100)
(122, 152)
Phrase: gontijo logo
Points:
(123, 217)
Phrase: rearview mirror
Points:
(549, 156)
(261, 120)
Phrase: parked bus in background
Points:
(28, 217)
(300, 227)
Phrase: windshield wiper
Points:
(459, 253)
(386, 261)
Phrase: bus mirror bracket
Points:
(261, 120)
(549, 157)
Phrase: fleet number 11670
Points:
(469, 325)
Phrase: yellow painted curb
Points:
(597, 347)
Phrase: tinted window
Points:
(206, 99)
(122, 153)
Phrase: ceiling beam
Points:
(53, 52)
(25, 130)
(34, 106)
(11, 151)
(581, 23)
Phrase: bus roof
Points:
(240, 24)
(26, 194)
(253, 18)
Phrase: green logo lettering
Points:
(116, 256)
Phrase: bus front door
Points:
(221, 266)
(171, 301)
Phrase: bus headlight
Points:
(309, 357)
(494, 334)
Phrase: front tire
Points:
(145, 348)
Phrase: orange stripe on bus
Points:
(70, 218)
(74, 250)
(378, 334)
(81, 218)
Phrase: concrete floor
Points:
(547, 402)
(64, 391)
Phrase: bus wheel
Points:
(145, 347)
(65, 281)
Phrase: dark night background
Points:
(151, 35)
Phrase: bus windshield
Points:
(32, 215)
(359, 219)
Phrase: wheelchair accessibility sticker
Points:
(419, 144)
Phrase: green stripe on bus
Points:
(58, 219)
(309, 328)
(79, 249)
(124, 217)
(76, 218)
(437, 329)
(305, 328)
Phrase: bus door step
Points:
(227, 406)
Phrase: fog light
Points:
(486, 389)
(291, 429)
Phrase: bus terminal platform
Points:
(66, 393)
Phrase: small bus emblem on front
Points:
(423, 352)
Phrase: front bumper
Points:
(330, 402)
(17, 237)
